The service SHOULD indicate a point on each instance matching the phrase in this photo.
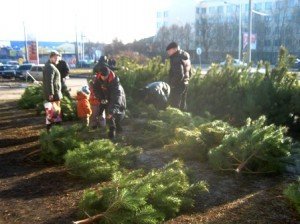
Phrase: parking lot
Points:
(11, 90)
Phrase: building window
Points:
(279, 5)
(229, 8)
(276, 18)
(291, 3)
(277, 43)
(158, 15)
(166, 13)
(276, 30)
(268, 6)
(267, 43)
(268, 18)
(158, 25)
(165, 23)
(211, 10)
(288, 41)
(203, 10)
(258, 6)
(246, 7)
(220, 9)
(268, 30)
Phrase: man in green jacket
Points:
(52, 90)
(51, 79)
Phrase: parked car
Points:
(36, 72)
(235, 63)
(13, 63)
(23, 71)
(8, 71)
(83, 64)
(297, 64)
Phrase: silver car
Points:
(36, 72)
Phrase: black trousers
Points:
(64, 89)
(115, 122)
(178, 95)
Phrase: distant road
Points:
(10, 90)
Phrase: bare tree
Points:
(187, 39)
(204, 29)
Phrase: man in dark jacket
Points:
(109, 91)
(179, 75)
(64, 70)
(156, 93)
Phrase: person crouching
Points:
(109, 90)
(84, 110)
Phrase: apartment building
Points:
(176, 12)
(274, 23)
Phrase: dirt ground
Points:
(39, 193)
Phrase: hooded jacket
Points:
(83, 105)
(112, 91)
(180, 68)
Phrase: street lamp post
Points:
(240, 31)
(25, 40)
(250, 27)
(250, 31)
(82, 47)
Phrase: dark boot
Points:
(119, 128)
(48, 127)
(112, 133)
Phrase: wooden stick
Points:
(90, 219)
(32, 153)
(241, 166)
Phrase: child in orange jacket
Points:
(84, 110)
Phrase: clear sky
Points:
(97, 20)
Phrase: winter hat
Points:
(53, 53)
(105, 71)
(86, 90)
(172, 45)
(103, 58)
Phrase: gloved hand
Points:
(104, 101)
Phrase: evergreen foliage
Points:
(32, 97)
(162, 131)
(98, 160)
(255, 147)
(139, 198)
(58, 141)
(195, 143)
(234, 94)
(292, 192)
(68, 109)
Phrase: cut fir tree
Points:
(138, 198)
